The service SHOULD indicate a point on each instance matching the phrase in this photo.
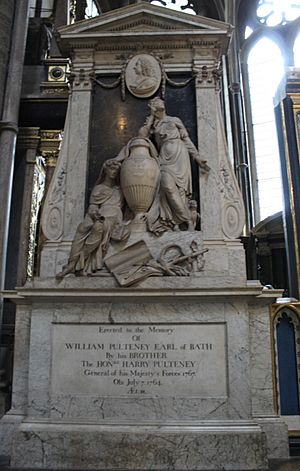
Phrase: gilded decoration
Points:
(36, 200)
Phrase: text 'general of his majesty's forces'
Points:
(144, 360)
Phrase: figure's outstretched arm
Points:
(193, 151)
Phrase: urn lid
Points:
(139, 141)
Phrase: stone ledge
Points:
(139, 447)
(75, 289)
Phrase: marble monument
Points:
(142, 345)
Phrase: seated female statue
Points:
(102, 223)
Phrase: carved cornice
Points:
(55, 90)
(50, 146)
(28, 138)
(153, 44)
(145, 21)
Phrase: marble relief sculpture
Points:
(175, 149)
(103, 222)
(143, 75)
(146, 188)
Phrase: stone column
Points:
(6, 21)
(28, 141)
(9, 129)
(241, 158)
(65, 202)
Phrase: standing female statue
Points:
(175, 149)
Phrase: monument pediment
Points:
(143, 19)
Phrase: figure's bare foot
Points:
(65, 271)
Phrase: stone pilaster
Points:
(206, 100)
(65, 201)
(222, 211)
(78, 151)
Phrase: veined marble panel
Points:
(219, 446)
(140, 360)
(225, 323)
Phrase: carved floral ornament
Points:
(144, 74)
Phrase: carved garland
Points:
(121, 79)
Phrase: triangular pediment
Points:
(143, 18)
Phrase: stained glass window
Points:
(179, 5)
(91, 9)
(271, 21)
(297, 51)
(265, 70)
(276, 12)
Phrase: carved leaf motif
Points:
(226, 186)
(52, 217)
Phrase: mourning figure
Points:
(102, 223)
(146, 188)
(175, 149)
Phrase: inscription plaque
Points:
(149, 360)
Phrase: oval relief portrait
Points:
(143, 75)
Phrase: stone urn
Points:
(139, 177)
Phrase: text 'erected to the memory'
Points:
(181, 360)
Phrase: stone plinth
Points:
(163, 376)
(204, 446)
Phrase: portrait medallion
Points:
(143, 75)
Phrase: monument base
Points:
(173, 374)
(205, 446)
